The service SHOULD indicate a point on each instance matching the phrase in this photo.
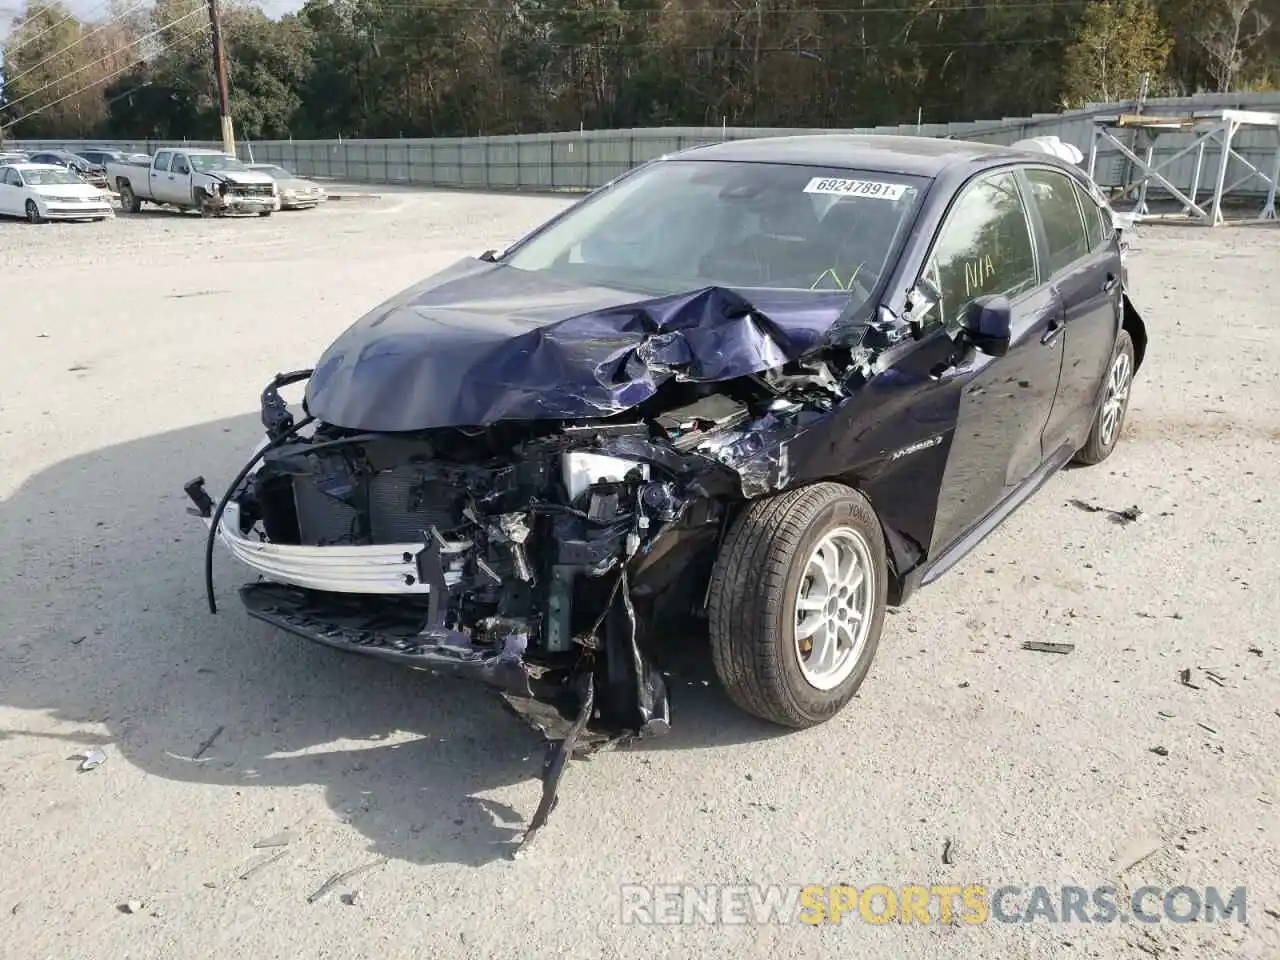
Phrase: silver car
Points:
(296, 193)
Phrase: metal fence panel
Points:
(585, 159)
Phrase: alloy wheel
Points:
(833, 608)
(1117, 396)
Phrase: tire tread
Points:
(752, 568)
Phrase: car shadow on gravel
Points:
(105, 622)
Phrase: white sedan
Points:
(42, 191)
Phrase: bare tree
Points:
(1229, 36)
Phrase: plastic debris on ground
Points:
(90, 759)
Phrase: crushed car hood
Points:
(483, 342)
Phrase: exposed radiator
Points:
(402, 506)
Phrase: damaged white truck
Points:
(751, 393)
(192, 179)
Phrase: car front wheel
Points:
(797, 603)
(1109, 419)
(33, 213)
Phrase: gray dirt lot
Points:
(133, 355)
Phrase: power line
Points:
(111, 76)
(76, 43)
(27, 19)
(30, 14)
(109, 56)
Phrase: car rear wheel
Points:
(797, 603)
(1108, 422)
(33, 213)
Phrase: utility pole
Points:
(220, 69)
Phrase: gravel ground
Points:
(134, 352)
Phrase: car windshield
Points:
(45, 178)
(280, 173)
(204, 162)
(684, 224)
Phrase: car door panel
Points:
(985, 246)
(8, 192)
(1091, 295)
(180, 179)
(160, 177)
(1098, 314)
(17, 194)
(1084, 269)
(1005, 403)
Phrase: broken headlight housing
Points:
(581, 471)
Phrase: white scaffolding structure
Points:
(1218, 127)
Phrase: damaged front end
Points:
(550, 550)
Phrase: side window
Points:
(984, 247)
(11, 178)
(180, 164)
(161, 162)
(1055, 196)
(1096, 221)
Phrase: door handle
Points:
(1110, 283)
(1056, 326)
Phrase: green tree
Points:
(1117, 43)
(54, 70)
(1229, 35)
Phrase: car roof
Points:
(913, 156)
(33, 166)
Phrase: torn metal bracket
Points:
(431, 572)
(558, 754)
(276, 418)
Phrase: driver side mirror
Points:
(987, 324)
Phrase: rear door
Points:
(160, 176)
(986, 247)
(1083, 262)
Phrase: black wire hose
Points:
(226, 498)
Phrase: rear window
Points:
(684, 224)
(1096, 221)
(1055, 196)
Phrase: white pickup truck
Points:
(186, 178)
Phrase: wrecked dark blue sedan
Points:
(754, 391)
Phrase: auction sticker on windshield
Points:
(856, 188)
